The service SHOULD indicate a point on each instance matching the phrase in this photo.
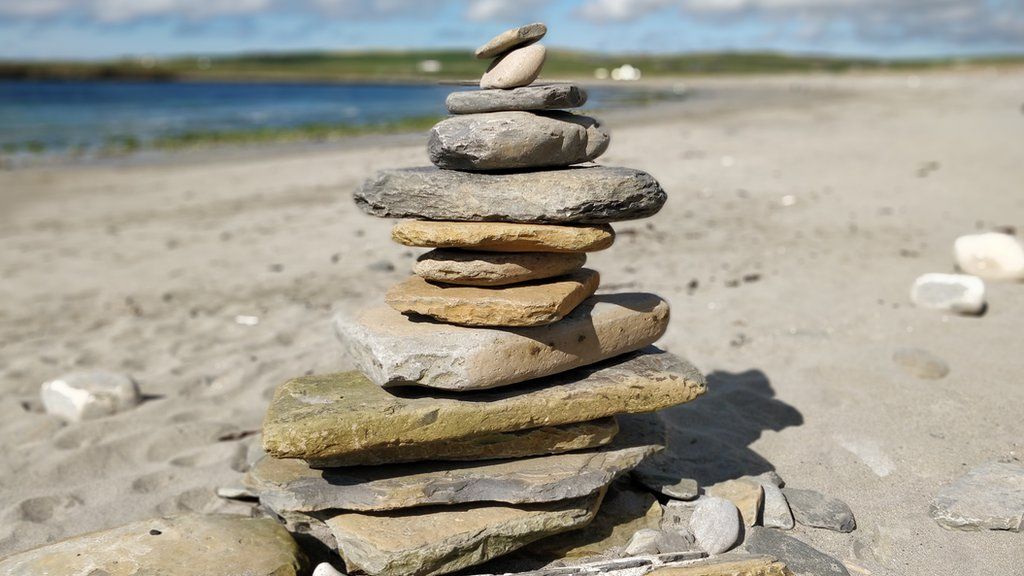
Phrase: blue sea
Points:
(56, 116)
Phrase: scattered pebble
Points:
(959, 293)
(921, 363)
(992, 256)
(990, 496)
(715, 524)
(86, 395)
(816, 510)
(776, 513)
(325, 569)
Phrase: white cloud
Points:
(503, 10)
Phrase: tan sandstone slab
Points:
(731, 564)
(324, 417)
(746, 493)
(393, 349)
(503, 236)
(471, 268)
(190, 545)
(531, 304)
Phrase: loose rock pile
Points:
(483, 414)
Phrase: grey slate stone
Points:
(816, 510)
(582, 194)
(512, 38)
(526, 98)
(801, 559)
(775, 512)
(514, 140)
(990, 496)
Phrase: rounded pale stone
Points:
(715, 524)
(393, 350)
(516, 68)
(494, 268)
(959, 293)
(511, 140)
(503, 236)
(509, 39)
(527, 98)
(992, 256)
(532, 304)
(87, 395)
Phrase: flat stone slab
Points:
(503, 236)
(816, 510)
(733, 564)
(745, 493)
(190, 545)
(438, 540)
(526, 98)
(395, 350)
(511, 38)
(531, 304)
(576, 195)
(990, 496)
(515, 140)
(291, 485)
(471, 268)
(800, 558)
(324, 417)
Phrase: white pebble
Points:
(325, 569)
(992, 256)
(87, 395)
(959, 293)
(715, 524)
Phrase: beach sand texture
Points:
(800, 210)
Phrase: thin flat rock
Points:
(393, 349)
(526, 98)
(439, 540)
(503, 236)
(800, 558)
(576, 195)
(321, 417)
(990, 496)
(530, 304)
(511, 38)
(290, 484)
(471, 268)
(816, 510)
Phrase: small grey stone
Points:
(800, 558)
(512, 38)
(526, 98)
(650, 541)
(921, 363)
(513, 140)
(715, 524)
(989, 496)
(775, 512)
(816, 510)
(666, 484)
(87, 395)
(675, 516)
(581, 194)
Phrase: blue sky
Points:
(86, 29)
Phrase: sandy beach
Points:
(801, 208)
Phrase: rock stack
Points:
(483, 414)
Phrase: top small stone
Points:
(510, 39)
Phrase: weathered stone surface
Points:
(515, 68)
(526, 98)
(921, 363)
(503, 236)
(958, 293)
(581, 194)
(333, 415)
(514, 140)
(715, 523)
(799, 558)
(445, 539)
(512, 38)
(814, 509)
(732, 564)
(652, 541)
(531, 304)
(290, 484)
(992, 256)
(775, 513)
(394, 350)
(666, 483)
(746, 494)
(470, 268)
(990, 496)
(192, 545)
(86, 395)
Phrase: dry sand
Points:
(828, 194)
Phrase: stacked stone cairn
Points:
(483, 414)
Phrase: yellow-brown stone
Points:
(733, 564)
(745, 493)
(476, 268)
(503, 236)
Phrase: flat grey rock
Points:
(291, 485)
(652, 541)
(801, 559)
(990, 496)
(526, 98)
(921, 363)
(581, 194)
(775, 512)
(511, 38)
(392, 349)
(816, 510)
(716, 524)
(666, 483)
(515, 140)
